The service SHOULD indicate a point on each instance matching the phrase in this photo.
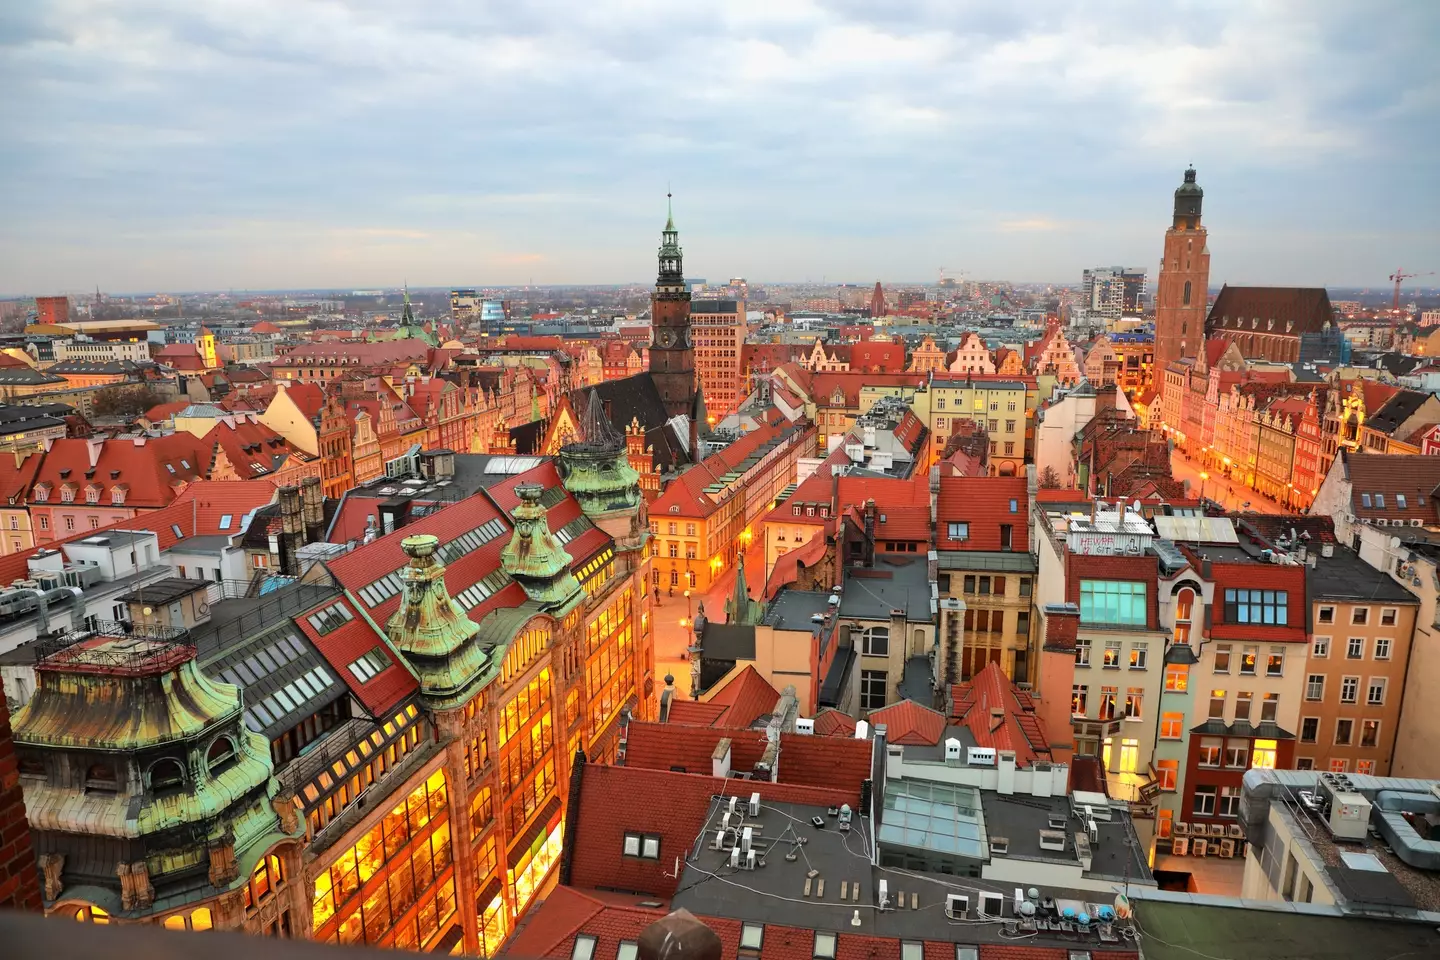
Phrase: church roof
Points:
(1307, 308)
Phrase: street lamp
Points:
(1203, 477)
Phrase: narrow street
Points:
(1232, 495)
(673, 614)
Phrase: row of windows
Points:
(1249, 660)
(1216, 752)
(1359, 616)
(1344, 731)
(1114, 655)
(1269, 706)
(1349, 689)
(1010, 405)
(1109, 700)
(1337, 765)
(1354, 648)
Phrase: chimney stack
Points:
(292, 527)
(313, 509)
(869, 545)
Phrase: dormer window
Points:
(101, 777)
(221, 752)
(67, 494)
(92, 494)
(41, 492)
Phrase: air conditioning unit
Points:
(1180, 846)
(1227, 849)
(804, 725)
(957, 906)
(1235, 831)
(1182, 829)
(992, 906)
(1217, 829)
(1199, 848)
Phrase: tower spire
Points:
(669, 211)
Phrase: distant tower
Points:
(877, 301)
(672, 356)
(1180, 293)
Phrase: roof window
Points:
(225, 521)
(584, 948)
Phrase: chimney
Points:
(1005, 766)
(1062, 626)
(869, 545)
(292, 528)
(312, 509)
(720, 759)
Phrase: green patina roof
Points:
(122, 694)
(534, 558)
(431, 629)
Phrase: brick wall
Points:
(19, 879)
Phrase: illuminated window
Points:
(1177, 677)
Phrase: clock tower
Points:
(672, 355)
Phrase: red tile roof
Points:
(746, 696)
(823, 761)
(308, 397)
(675, 807)
(830, 722)
(1016, 726)
(787, 566)
(983, 503)
(252, 449)
(693, 713)
(1390, 476)
(15, 479)
(150, 472)
(909, 724)
(343, 646)
(655, 746)
(164, 411)
(903, 504)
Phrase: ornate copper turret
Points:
(431, 629)
(536, 561)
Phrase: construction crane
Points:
(1399, 277)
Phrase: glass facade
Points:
(934, 818)
(1119, 602)
(404, 860)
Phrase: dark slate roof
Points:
(714, 306)
(637, 398)
(253, 644)
(1308, 308)
(1396, 411)
(528, 436)
(725, 641)
(1344, 576)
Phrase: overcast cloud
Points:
(257, 144)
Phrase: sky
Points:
(282, 144)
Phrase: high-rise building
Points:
(1113, 291)
(672, 354)
(719, 330)
(463, 305)
(1181, 292)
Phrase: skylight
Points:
(225, 521)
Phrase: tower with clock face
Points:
(672, 355)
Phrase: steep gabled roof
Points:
(907, 723)
(1000, 715)
(1294, 310)
(984, 504)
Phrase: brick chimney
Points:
(869, 545)
(1062, 626)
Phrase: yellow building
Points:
(1003, 407)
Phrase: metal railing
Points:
(270, 610)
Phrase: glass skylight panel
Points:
(939, 817)
(283, 698)
(265, 658)
(262, 713)
(252, 722)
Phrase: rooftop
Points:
(1182, 927)
(872, 593)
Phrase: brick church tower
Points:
(1181, 293)
(672, 355)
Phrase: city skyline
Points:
(264, 146)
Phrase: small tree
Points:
(1049, 479)
(124, 400)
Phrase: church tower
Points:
(672, 355)
(1181, 293)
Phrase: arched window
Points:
(1184, 604)
(877, 642)
(1186, 301)
(86, 913)
(221, 752)
(167, 774)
